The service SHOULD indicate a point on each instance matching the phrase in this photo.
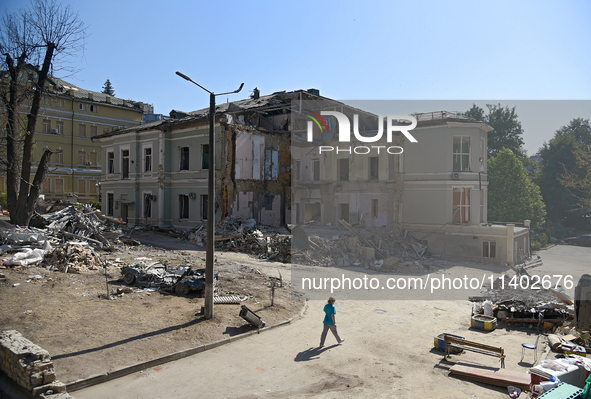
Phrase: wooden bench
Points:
(454, 342)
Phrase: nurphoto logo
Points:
(392, 125)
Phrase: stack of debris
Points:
(515, 302)
(72, 257)
(235, 234)
(378, 248)
(60, 240)
(80, 222)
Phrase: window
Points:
(461, 205)
(59, 186)
(93, 108)
(184, 158)
(461, 154)
(343, 169)
(93, 157)
(204, 204)
(183, 206)
(110, 163)
(148, 159)
(489, 249)
(82, 130)
(92, 185)
(46, 126)
(60, 102)
(110, 203)
(373, 168)
(81, 186)
(82, 157)
(47, 185)
(267, 202)
(58, 156)
(60, 127)
(374, 208)
(482, 154)
(147, 205)
(204, 156)
(81, 106)
(315, 170)
(93, 131)
(124, 164)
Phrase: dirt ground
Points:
(86, 335)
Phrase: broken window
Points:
(205, 156)
(461, 154)
(461, 205)
(343, 169)
(489, 249)
(373, 168)
(184, 158)
(110, 163)
(316, 170)
(147, 205)
(204, 203)
(148, 159)
(267, 202)
(183, 206)
(110, 203)
(124, 164)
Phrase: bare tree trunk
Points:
(27, 197)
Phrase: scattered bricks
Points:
(36, 379)
(48, 376)
(367, 253)
(56, 386)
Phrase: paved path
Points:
(387, 354)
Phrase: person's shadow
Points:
(311, 354)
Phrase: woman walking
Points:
(330, 322)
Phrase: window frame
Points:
(461, 154)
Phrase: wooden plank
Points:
(452, 340)
(492, 376)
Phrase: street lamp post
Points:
(210, 199)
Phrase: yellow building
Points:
(68, 120)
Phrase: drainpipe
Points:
(510, 232)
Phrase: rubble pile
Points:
(79, 222)
(60, 240)
(72, 257)
(378, 248)
(248, 236)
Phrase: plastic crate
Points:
(562, 391)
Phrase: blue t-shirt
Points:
(329, 310)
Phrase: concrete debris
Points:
(244, 235)
(362, 247)
(62, 240)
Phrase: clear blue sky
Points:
(370, 50)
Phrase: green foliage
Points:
(108, 88)
(95, 204)
(566, 152)
(512, 196)
(507, 131)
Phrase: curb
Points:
(101, 378)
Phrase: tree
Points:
(108, 88)
(512, 196)
(42, 34)
(565, 175)
(507, 131)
